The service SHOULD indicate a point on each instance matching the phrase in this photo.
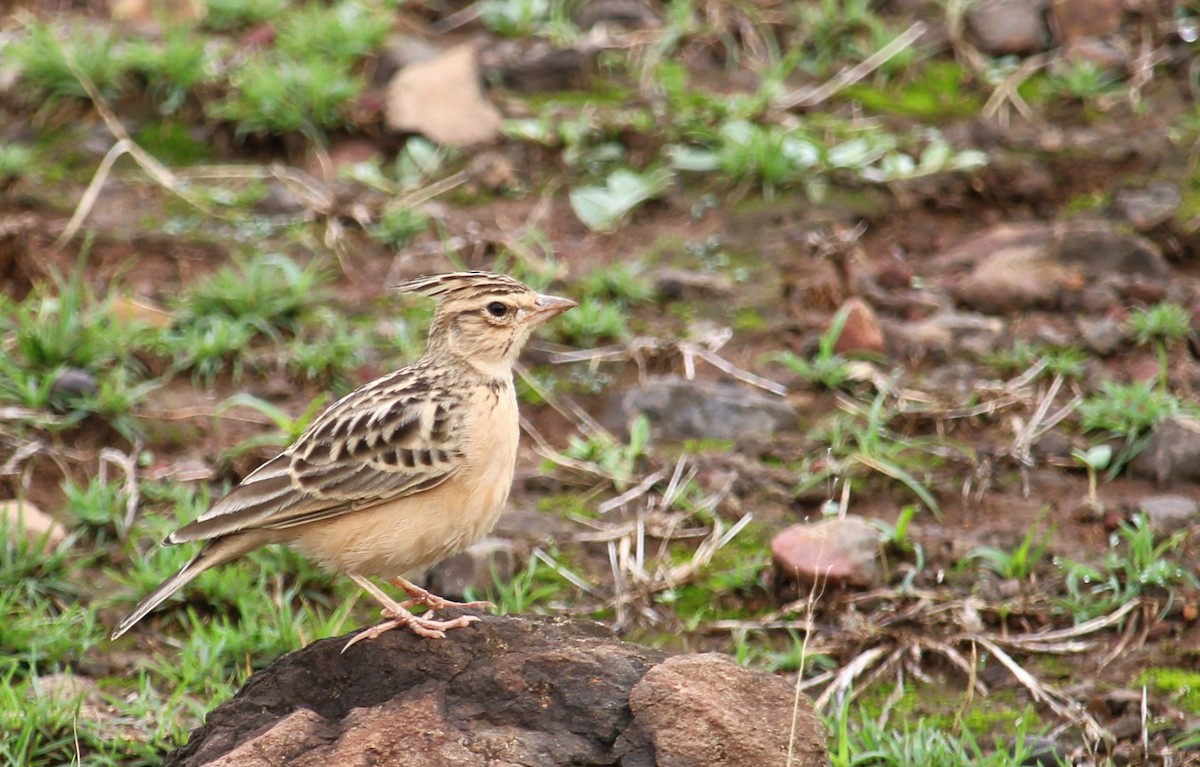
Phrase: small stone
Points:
(1172, 453)
(443, 99)
(477, 569)
(536, 66)
(1018, 267)
(1147, 208)
(948, 331)
(1009, 27)
(36, 525)
(1102, 335)
(680, 409)
(841, 550)
(1042, 752)
(1167, 514)
(1073, 19)
(1089, 50)
(74, 382)
(493, 172)
(626, 14)
(1053, 444)
(861, 331)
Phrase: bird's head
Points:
(483, 319)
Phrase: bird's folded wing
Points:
(349, 459)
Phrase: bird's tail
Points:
(213, 553)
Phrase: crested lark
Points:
(399, 474)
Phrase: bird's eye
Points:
(497, 309)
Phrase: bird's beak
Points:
(550, 306)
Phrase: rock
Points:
(1042, 752)
(1074, 19)
(504, 691)
(1147, 208)
(1167, 514)
(1008, 27)
(536, 66)
(476, 569)
(36, 525)
(1103, 335)
(1172, 453)
(442, 99)
(838, 551)
(680, 708)
(74, 382)
(680, 409)
(947, 331)
(1017, 267)
(861, 332)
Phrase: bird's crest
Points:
(462, 285)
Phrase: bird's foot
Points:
(418, 624)
(419, 596)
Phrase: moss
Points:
(747, 318)
(173, 144)
(1182, 686)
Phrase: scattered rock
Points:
(1169, 513)
(838, 551)
(1016, 267)
(476, 569)
(74, 382)
(35, 524)
(1172, 453)
(680, 707)
(1102, 335)
(1009, 27)
(1147, 208)
(506, 690)
(442, 99)
(948, 331)
(536, 66)
(862, 332)
(680, 409)
(1074, 19)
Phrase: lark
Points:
(399, 474)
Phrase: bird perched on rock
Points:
(399, 474)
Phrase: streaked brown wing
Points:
(386, 441)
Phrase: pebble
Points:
(680, 409)
(1172, 453)
(35, 524)
(1009, 27)
(838, 551)
(861, 331)
(1167, 514)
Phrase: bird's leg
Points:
(398, 615)
(419, 596)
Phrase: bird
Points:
(398, 474)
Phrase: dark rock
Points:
(74, 382)
(476, 569)
(1043, 752)
(1053, 444)
(680, 409)
(1167, 514)
(1172, 453)
(1149, 207)
(838, 551)
(511, 690)
(861, 331)
(1008, 27)
(680, 709)
(536, 66)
